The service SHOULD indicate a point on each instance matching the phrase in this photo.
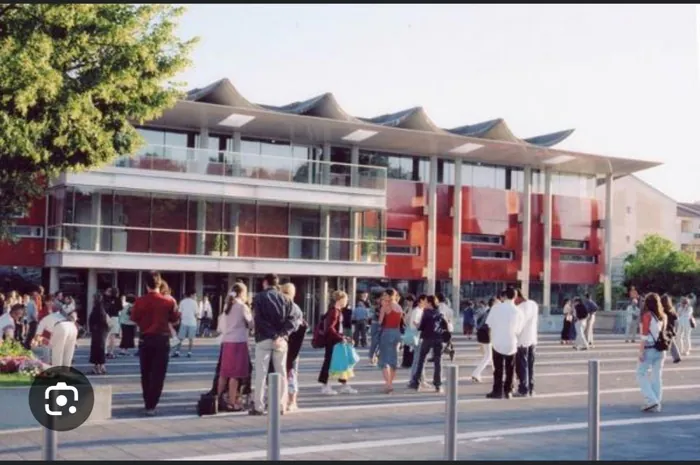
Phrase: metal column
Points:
(457, 238)
(607, 282)
(527, 227)
(451, 412)
(432, 226)
(593, 410)
(273, 416)
(547, 254)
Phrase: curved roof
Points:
(223, 92)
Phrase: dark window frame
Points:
(560, 244)
(412, 251)
(403, 234)
(490, 254)
(469, 238)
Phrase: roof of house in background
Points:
(686, 209)
(223, 92)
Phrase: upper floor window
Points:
(482, 239)
(569, 244)
(406, 167)
(159, 137)
(399, 234)
(22, 231)
(402, 250)
(486, 254)
(575, 258)
(686, 226)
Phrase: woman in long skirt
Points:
(390, 317)
(568, 323)
(99, 330)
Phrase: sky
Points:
(625, 77)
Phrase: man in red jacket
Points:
(152, 313)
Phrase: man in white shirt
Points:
(527, 341)
(60, 334)
(206, 317)
(188, 322)
(505, 322)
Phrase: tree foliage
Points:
(73, 79)
(657, 266)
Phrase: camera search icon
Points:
(61, 398)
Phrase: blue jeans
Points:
(414, 366)
(651, 383)
(374, 343)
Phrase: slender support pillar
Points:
(607, 283)
(96, 214)
(199, 283)
(139, 284)
(325, 234)
(200, 160)
(457, 238)
(355, 246)
(593, 410)
(273, 416)
(547, 253)
(237, 159)
(201, 237)
(352, 291)
(451, 402)
(53, 280)
(324, 296)
(527, 227)
(91, 289)
(432, 226)
(233, 238)
(354, 171)
(326, 165)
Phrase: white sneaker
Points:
(347, 389)
(327, 390)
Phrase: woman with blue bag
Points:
(390, 317)
(333, 337)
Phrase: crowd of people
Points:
(406, 331)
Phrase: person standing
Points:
(32, 318)
(153, 313)
(432, 328)
(112, 305)
(9, 320)
(98, 324)
(685, 326)
(483, 337)
(374, 331)
(390, 318)
(331, 330)
(296, 340)
(448, 314)
(592, 308)
(505, 321)
(188, 323)
(581, 313)
(274, 321)
(360, 316)
(414, 319)
(651, 360)
(632, 321)
(527, 342)
(61, 334)
(127, 340)
(207, 316)
(347, 321)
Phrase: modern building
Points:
(227, 189)
(688, 231)
(640, 210)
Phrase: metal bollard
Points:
(593, 410)
(50, 444)
(273, 416)
(451, 413)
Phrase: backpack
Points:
(483, 334)
(318, 340)
(440, 327)
(663, 342)
(208, 404)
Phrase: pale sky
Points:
(624, 76)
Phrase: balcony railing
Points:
(254, 166)
(223, 244)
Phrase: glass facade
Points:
(125, 221)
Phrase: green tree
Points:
(657, 266)
(73, 79)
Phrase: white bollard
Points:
(593, 410)
(451, 412)
(273, 416)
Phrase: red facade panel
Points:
(27, 252)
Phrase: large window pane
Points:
(339, 230)
(305, 229)
(273, 228)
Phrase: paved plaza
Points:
(402, 426)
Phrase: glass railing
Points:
(120, 239)
(254, 166)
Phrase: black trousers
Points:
(360, 335)
(503, 363)
(154, 354)
(425, 347)
(326, 366)
(525, 368)
(31, 333)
